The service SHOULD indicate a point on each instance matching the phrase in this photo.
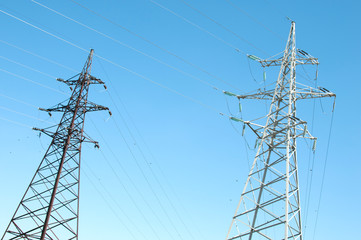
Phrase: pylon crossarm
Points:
(302, 58)
(49, 208)
(46, 132)
(74, 80)
(61, 107)
(306, 92)
(266, 95)
(87, 139)
(278, 62)
(301, 93)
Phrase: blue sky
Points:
(195, 153)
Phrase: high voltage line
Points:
(107, 161)
(114, 63)
(142, 152)
(121, 134)
(154, 44)
(104, 140)
(31, 81)
(252, 18)
(109, 96)
(128, 46)
(38, 56)
(53, 229)
(137, 74)
(214, 21)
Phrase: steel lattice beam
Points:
(49, 208)
(269, 207)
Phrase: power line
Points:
(42, 120)
(141, 151)
(133, 184)
(323, 174)
(278, 10)
(133, 139)
(31, 81)
(224, 27)
(27, 67)
(198, 27)
(16, 123)
(253, 18)
(17, 100)
(151, 170)
(155, 45)
(129, 219)
(147, 180)
(23, 114)
(27, 104)
(108, 204)
(38, 56)
(115, 64)
(310, 162)
(128, 46)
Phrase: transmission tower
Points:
(49, 208)
(269, 207)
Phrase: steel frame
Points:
(49, 208)
(269, 207)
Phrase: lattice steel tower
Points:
(269, 207)
(49, 208)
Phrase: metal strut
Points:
(269, 207)
(49, 208)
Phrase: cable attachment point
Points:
(314, 144)
(45, 110)
(229, 94)
(110, 115)
(236, 119)
(255, 58)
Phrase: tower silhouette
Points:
(49, 208)
(269, 207)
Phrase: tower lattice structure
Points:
(49, 208)
(269, 207)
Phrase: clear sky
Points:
(170, 166)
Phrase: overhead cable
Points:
(253, 18)
(224, 27)
(113, 63)
(114, 199)
(31, 81)
(323, 175)
(108, 204)
(25, 66)
(127, 46)
(143, 154)
(154, 213)
(155, 44)
(199, 27)
(23, 114)
(16, 123)
(38, 56)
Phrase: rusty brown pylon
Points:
(49, 208)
